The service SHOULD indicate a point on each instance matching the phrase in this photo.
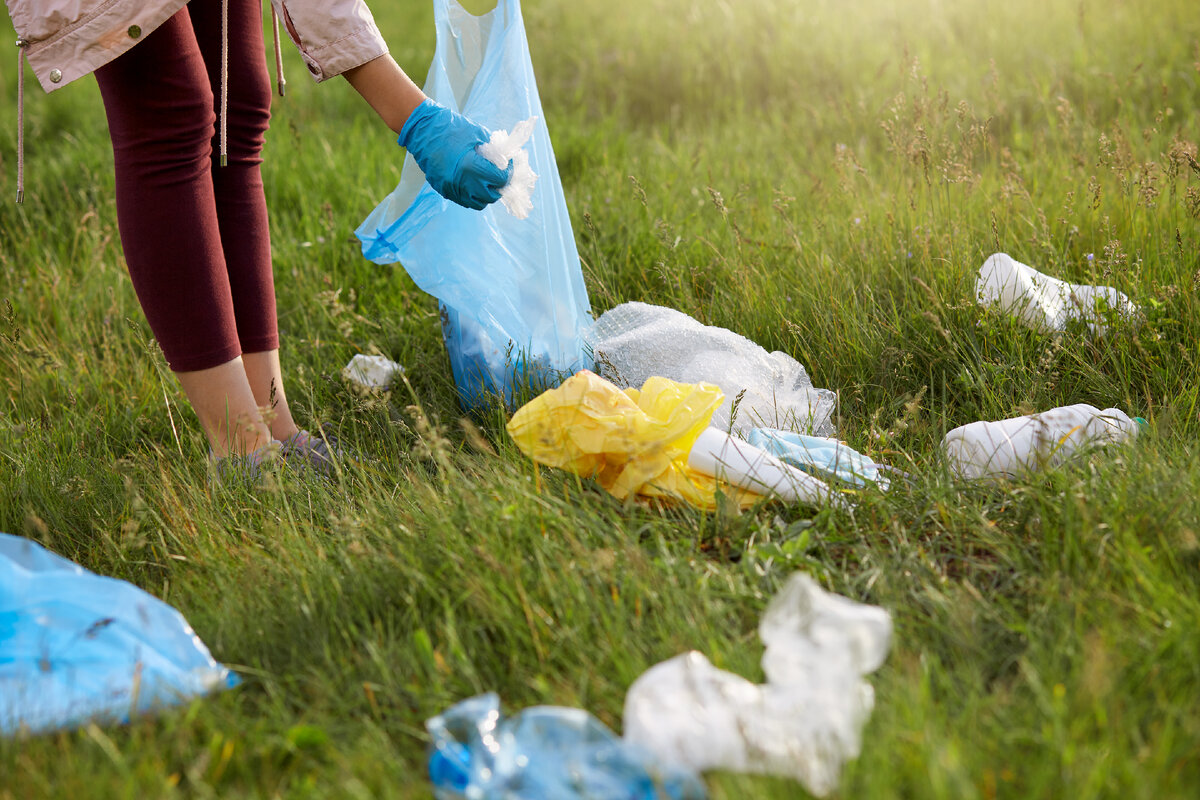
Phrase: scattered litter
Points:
(632, 442)
(1011, 447)
(517, 194)
(77, 647)
(1044, 303)
(804, 722)
(718, 455)
(824, 457)
(511, 292)
(373, 372)
(635, 341)
(543, 753)
(653, 442)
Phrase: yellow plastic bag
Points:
(630, 441)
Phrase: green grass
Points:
(822, 177)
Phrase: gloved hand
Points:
(443, 144)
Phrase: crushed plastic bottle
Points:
(77, 647)
(1008, 448)
(1045, 303)
(543, 753)
(633, 342)
(804, 722)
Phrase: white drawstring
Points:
(20, 121)
(21, 43)
(279, 81)
(224, 78)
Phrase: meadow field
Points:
(824, 177)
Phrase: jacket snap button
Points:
(55, 75)
(135, 31)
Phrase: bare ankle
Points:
(242, 439)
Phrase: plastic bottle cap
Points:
(1141, 421)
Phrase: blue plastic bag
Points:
(512, 296)
(75, 646)
(543, 753)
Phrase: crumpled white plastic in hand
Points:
(517, 194)
(1044, 303)
(804, 722)
(373, 372)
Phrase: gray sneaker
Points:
(244, 469)
(303, 451)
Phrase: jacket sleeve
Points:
(332, 36)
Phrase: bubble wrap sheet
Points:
(636, 341)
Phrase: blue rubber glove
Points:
(443, 144)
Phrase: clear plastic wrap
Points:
(635, 341)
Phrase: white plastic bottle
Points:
(1045, 303)
(1010, 447)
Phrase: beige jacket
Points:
(67, 39)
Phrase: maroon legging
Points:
(195, 233)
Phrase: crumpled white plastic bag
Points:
(1044, 303)
(517, 194)
(372, 372)
(804, 722)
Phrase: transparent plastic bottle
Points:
(544, 753)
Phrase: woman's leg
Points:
(229, 411)
(160, 116)
(238, 189)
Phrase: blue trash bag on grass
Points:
(511, 291)
(544, 753)
(77, 647)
